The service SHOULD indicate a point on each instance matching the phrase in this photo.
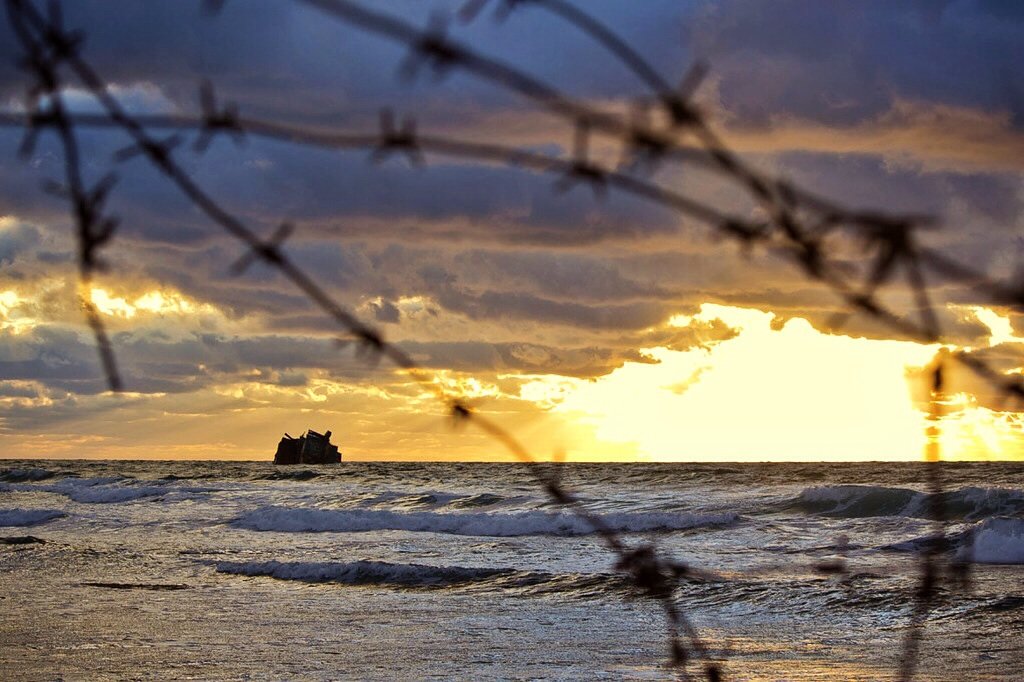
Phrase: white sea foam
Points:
(108, 495)
(992, 541)
(28, 517)
(299, 520)
(997, 541)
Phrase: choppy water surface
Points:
(215, 570)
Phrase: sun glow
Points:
(971, 431)
(775, 392)
(12, 318)
(999, 327)
(791, 393)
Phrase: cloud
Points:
(475, 269)
(15, 240)
(935, 137)
(384, 311)
(843, 63)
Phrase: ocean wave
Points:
(22, 475)
(111, 489)
(412, 500)
(170, 478)
(996, 541)
(101, 490)
(362, 572)
(478, 500)
(857, 501)
(433, 499)
(306, 520)
(289, 475)
(366, 572)
(992, 541)
(28, 517)
(112, 495)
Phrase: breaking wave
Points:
(109, 495)
(362, 572)
(992, 541)
(28, 517)
(997, 541)
(289, 475)
(478, 500)
(425, 576)
(434, 499)
(305, 520)
(22, 475)
(110, 490)
(857, 501)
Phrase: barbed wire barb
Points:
(217, 119)
(94, 230)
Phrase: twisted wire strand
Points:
(790, 237)
(650, 575)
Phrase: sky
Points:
(592, 329)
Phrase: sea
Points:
(113, 570)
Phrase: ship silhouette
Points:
(310, 448)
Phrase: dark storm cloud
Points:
(476, 357)
(54, 357)
(281, 56)
(58, 361)
(520, 306)
(333, 195)
(155, 363)
(834, 62)
(563, 288)
(843, 62)
(562, 276)
(16, 242)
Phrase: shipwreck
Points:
(309, 448)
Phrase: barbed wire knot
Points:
(397, 139)
(678, 104)
(581, 169)
(268, 251)
(158, 151)
(432, 48)
(217, 119)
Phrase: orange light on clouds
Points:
(785, 393)
(970, 431)
(155, 302)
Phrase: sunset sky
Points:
(595, 329)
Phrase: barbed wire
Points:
(798, 223)
(651, 575)
(94, 230)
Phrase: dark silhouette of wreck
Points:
(311, 448)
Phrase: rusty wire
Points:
(797, 225)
